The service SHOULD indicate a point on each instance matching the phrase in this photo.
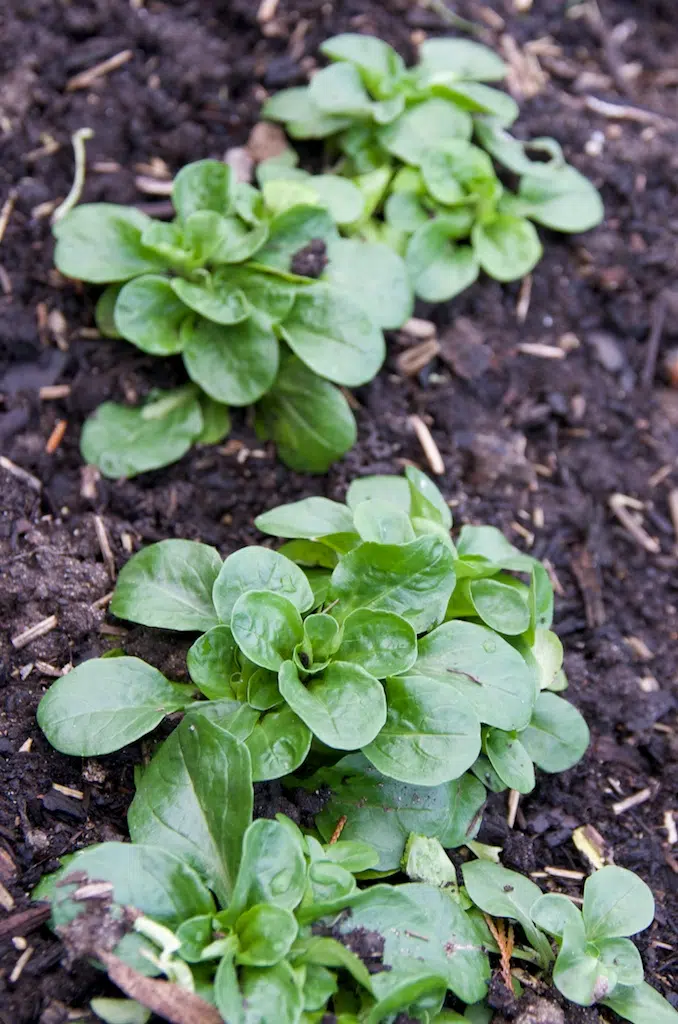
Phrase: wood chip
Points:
(105, 546)
(523, 304)
(512, 813)
(413, 360)
(20, 474)
(34, 632)
(620, 505)
(632, 801)
(541, 351)
(56, 437)
(20, 964)
(7, 210)
(6, 899)
(152, 186)
(419, 329)
(624, 112)
(266, 141)
(670, 826)
(26, 746)
(52, 392)
(430, 448)
(102, 602)
(591, 845)
(639, 648)
(574, 876)
(87, 78)
(587, 574)
(266, 12)
(46, 669)
(77, 794)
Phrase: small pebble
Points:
(607, 351)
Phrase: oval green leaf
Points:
(234, 364)
(257, 568)
(212, 661)
(267, 627)
(382, 643)
(557, 736)
(203, 185)
(388, 300)
(501, 607)
(101, 242)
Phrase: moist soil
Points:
(536, 445)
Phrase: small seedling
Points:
(242, 285)
(404, 137)
(368, 630)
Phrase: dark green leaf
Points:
(344, 706)
(430, 735)
(149, 314)
(259, 993)
(237, 719)
(267, 627)
(212, 661)
(413, 580)
(310, 420)
(101, 242)
(323, 634)
(382, 643)
(266, 935)
(557, 736)
(387, 298)
(278, 744)
(293, 230)
(269, 294)
(195, 800)
(309, 518)
(500, 606)
(169, 585)
(203, 185)
(216, 421)
(262, 690)
(272, 869)
(123, 442)
(106, 703)
(491, 676)
(234, 364)
(257, 568)
(510, 760)
(104, 309)
(212, 298)
(334, 336)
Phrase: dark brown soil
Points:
(537, 446)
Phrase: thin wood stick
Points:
(53, 391)
(341, 824)
(20, 964)
(87, 78)
(20, 474)
(105, 545)
(624, 112)
(34, 632)
(620, 504)
(6, 212)
(632, 801)
(430, 448)
(513, 801)
(56, 437)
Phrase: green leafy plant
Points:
(232, 284)
(369, 630)
(404, 138)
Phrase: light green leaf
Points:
(557, 736)
(513, 154)
(378, 62)
(489, 543)
(439, 268)
(124, 442)
(344, 706)
(382, 643)
(563, 201)
(438, 168)
(501, 607)
(169, 585)
(101, 242)
(410, 135)
(338, 89)
(382, 811)
(234, 364)
(466, 59)
(387, 299)
(413, 580)
(624, 959)
(380, 521)
(303, 118)
(310, 518)
(267, 627)
(104, 316)
(106, 703)
(338, 195)
(266, 935)
(308, 418)
(203, 185)
(119, 1011)
(278, 744)
(211, 662)
(579, 975)
(324, 635)
(258, 994)
(212, 299)
(272, 869)
(616, 903)
(425, 860)
(491, 676)
(149, 314)
(404, 212)
(507, 247)
(478, 98)
(394, 489)
(194, 799)
(430, 735)
(293, 230)
(262, 690)
(510, 760)
(238, 242)
(257, 568)
(553, 912)
(426, 499)
(236, 718)
(641, 1004)
(504, 893)
(334, 336)
(319, 985)
(270, 294)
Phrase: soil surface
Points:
(535, 445)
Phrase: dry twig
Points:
(632, 801)
(87, 78)
(620, 505)
(341, 824)
(105, 545)
(34, 632)
(6, 212)
(430, 448)
(20, 474)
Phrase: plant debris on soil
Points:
(552, 405)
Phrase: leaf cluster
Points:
(225, 286)
(434, 195)
(369, 630)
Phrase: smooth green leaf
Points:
(433, 506)
(624, 959)
(564, 200)
(195, 799)
(309, 419)
(124, 442)
(491, 676)
(410, 135)
(194, 934)
(438, 267)
(507, 247)
(513, 154)
(377, 61)
(504, 893)
(257, 568)
(119, 1011)
(267, 627)
(213, 299)
(464, 58)
(329, 952)
(382, 643)
(150, 314)
(344, 706)
(211, 662)
(101, 242)
(383, 812)
(616, 903)
(579, 975)
(510, 760)
(104, 311)
(293, 230)
(478, 98)
(319, 985)
(262, 690)
(341, 197)
(387, 299)
(106, 703)
(169, 585)
(553, 912)
(403, 211)
(641, 1004)
(284, 193)
(438, 168)
(235, 364)
(272, 296)
(203, 185)
(425, 860)
(413, 580)
(278, 744)
(216, 420)
(352, 855)
(380, 521)
(238, 242)
(309, 518)
(272, 869)
(394, 489)
(324, 635)
(266, 935)
(501, 607)
(407, 993)
(430, 735)
(236, 718)
(334, 336)
(489, 543)
(557, 736)
(261, 995)
(304, 119)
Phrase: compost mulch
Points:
(536, 445)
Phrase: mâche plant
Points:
(252, 289)
(369, 630)
(256, 922)
(404, 135)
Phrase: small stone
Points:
(462, 348)
(540, 1011)
(607, 351)
(241, 163)
(266, 141)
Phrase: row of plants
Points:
(404, 673)
(277, 297)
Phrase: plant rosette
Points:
(369, 630)
(431, 193)
(240, 286)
